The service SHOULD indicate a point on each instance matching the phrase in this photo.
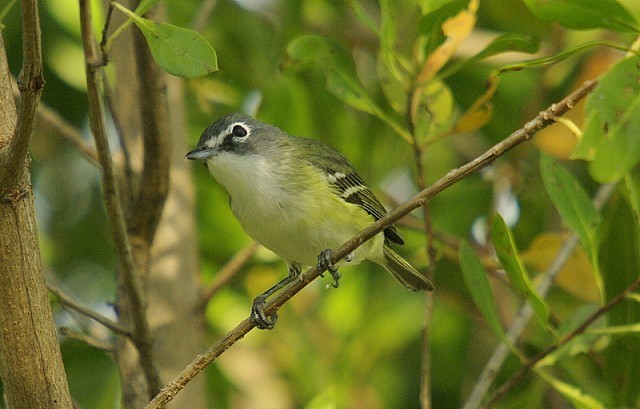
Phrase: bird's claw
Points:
(261, 319)
(325, 264)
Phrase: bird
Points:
(299, 198)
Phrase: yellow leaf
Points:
(576, 276)
(456, 29)
(474, 120)
(556, 139)
(479, 113)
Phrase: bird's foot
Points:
(262, 320)
(325, 264)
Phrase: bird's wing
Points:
(351, 188)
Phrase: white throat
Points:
(247, 178)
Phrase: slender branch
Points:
(54, 122)
(131, 278)
(227, 272)
(87, 339)
(203, 14)
(128, 179)
(67, 301)
(30, 83)
(105, 32)
(524, 369)
(418, 154)
(490, 371)
(544, 119)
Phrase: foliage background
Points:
(359, 346)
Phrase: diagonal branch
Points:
(524, 369)
(226, 273)
(87, 339)
(491, 369)
(131, 277)
(54, 122)
(67, 301)
(544, 119)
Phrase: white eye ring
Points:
(239, 131)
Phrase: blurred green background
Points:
(358, 346)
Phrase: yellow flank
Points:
(296, 224)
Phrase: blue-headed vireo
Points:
(299, 198)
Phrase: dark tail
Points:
(404, 272)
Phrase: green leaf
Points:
(578, 398)
(575, 208)
(475, 277)
(435, 111)
(5, 10)
(632, 183)
(585, 14)
(144, 6)
(571, 201)
(507, 253)
(322, 54)
(561, 56)
(611, 139)
(630, 329)
(388, 50)
(387, 36)
(620, 261)
(317, 52)
(324, 400)
(178, 51)
(430, 24)
(363, 17)
(502, 44)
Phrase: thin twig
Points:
(490, 371)
(128, 180)
(203, 14)
(131, 278)
(68, 301)
(52, 121)
(524, 369)
(544, 119)
(87, 339)
(105, 32)
(227, 272)
(418, 155)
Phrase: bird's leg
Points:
(262, 320)
(325, 264)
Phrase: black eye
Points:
(239, 131)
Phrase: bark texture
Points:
(30, 361)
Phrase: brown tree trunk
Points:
(30, 361)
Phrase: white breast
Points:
(296, 223)
(270, 214)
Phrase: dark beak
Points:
(201, 154)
